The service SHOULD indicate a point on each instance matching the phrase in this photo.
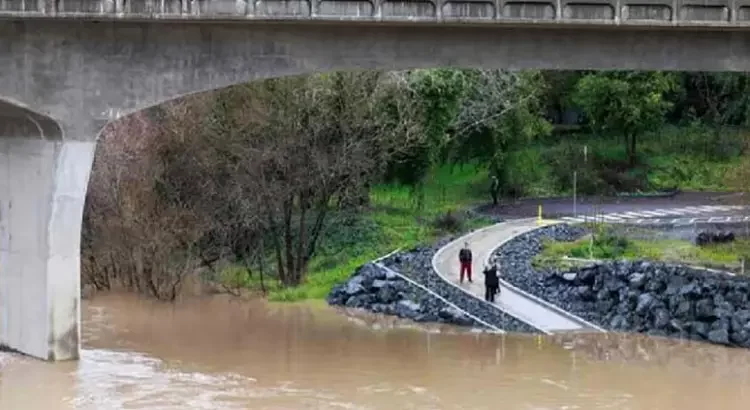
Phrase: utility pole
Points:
(575, 189)
(575, 181)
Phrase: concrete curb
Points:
(536, 299)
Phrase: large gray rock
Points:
(645, 303)
(355, 286)
(720, 336)
(640, 296)
(408, 309)
(637, 280)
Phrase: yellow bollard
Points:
(539, 220)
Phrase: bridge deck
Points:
(648, 13)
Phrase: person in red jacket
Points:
(464, 258)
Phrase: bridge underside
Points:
(88, 72)
(42, 188)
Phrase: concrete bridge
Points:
(70, 66)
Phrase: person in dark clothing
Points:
(464, 259)
(495, 190)
(491, 283)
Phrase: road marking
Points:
(624, 216)
(652, 216)
(650, 213)
(637, 214)
(659, 212)
(669, 211)
(692, 210)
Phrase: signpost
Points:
(575, 181)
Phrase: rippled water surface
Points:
(219, 353)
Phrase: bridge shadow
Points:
(20, 122)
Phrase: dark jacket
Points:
(490, 277)
(495, 186)
(464, 255)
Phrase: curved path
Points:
(517, 303)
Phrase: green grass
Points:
(722, 256)
(691, 158)
(394, 220)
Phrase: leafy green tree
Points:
(501, 112)
(436, 96)
(626, 103)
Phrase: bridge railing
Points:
(637, 12)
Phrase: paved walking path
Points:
(515, 302)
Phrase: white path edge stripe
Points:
(536, 299)
(433, 262)
(378, 263)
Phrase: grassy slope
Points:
(691, 158)
(676, 251)
(683, 157)
(392, 222)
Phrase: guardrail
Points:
(603, 12)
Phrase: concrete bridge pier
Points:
(43, 180)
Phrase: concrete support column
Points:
(42, 192)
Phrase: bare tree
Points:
(245, 175)
(303, 145)
(130, 238)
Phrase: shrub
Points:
(449, 221)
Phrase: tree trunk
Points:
(260, 255)
(290, 279)
(303, 202)
(632, 150)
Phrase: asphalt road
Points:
(683, 208)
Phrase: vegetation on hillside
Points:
(287, 185)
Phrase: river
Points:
(220, 353)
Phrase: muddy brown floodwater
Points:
(216, 353)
